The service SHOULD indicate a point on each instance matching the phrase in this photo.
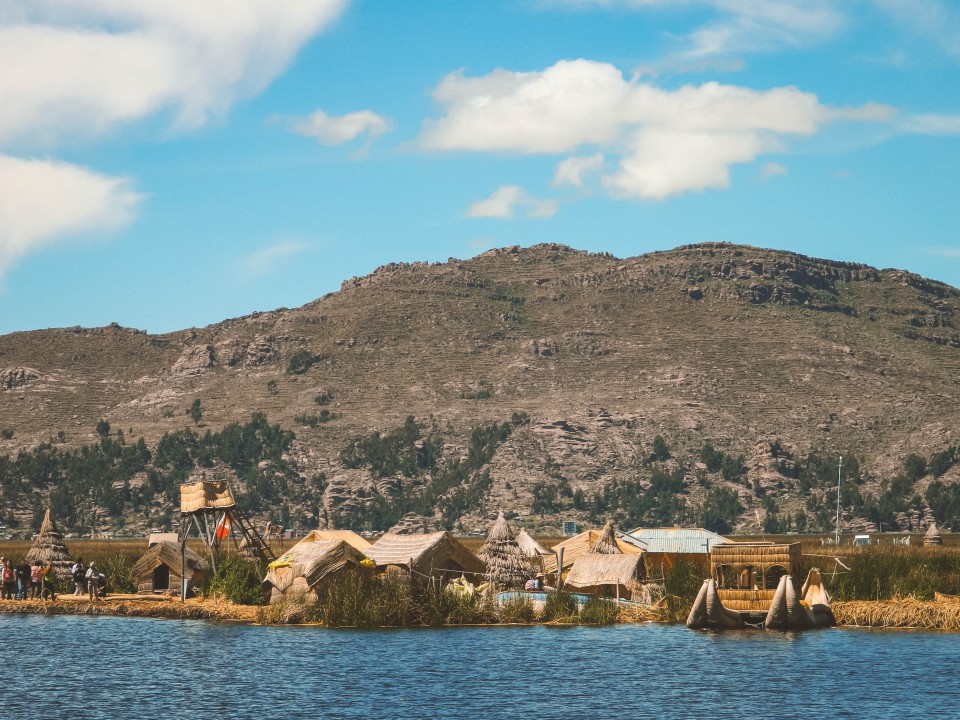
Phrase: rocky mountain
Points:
(752, 370)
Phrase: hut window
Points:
(772, 576)
(726, 576)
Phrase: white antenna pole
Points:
(839, 469)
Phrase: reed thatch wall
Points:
(594, 573)
(436, 553)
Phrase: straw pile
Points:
(50, 549)
(506, 563)
(606, 544)
(531, 548)
(904, 613)
(932, 536)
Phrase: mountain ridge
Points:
(767, 354)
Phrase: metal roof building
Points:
(673, 541)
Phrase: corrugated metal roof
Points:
(673, 540)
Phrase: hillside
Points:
(721, 350)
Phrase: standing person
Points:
(93, 580)
(36, 578)
(47, 584)
(9, 580)
(77, 573)
(23, 579)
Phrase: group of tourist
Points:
(23, 581)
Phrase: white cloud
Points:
(572, 170)
(74, 69)
(268, 259)
(668, 141)
(506, 200)
(949, 252)
(772, 169)
(42, 201)
(337, 130)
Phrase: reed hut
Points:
(507, 566)
(579, 545)
(607, 575)
(932, 536)
(158, 569)
(301, 572)
(530, 547)
(50, 549)
(436, 554)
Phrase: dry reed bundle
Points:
(606, 544)
(642, 613)
(902, 613)
(50, 549)
(530, 547)
(507, 565)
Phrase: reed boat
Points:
(752, 585)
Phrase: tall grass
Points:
(887, 572)
(681, 585)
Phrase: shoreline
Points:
(907, 614)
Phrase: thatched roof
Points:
(307, 564)
(530, 547)
(348, 536)
(606, 544)
(932, 531)
(50, 549)
(167, 553)
(205, 495)
(579, 545)
(506, 563)
(424, 553)
(595, 570)
(761, 556)
(160, 537)
(932, 536)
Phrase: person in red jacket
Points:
(9, 578)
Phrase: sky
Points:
(168, 164)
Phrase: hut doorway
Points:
(161, 577)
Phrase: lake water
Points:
(94, 667)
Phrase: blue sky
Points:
(168, 164)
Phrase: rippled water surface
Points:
(95, 667)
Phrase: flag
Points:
(223, 527)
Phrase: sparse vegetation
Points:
(7, 433)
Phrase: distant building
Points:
(664, 546)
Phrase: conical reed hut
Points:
(50, 549)
(530, 547)
(932, 536)
(507, 566)
(606, 544)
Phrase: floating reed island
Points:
(338, 579)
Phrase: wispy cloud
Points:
(269, 259)
(948, 252)
(772, 169)
(507, 200)
(574, 170)
(42, 202)
(740, 26)
(664, 142)
(337, 130)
